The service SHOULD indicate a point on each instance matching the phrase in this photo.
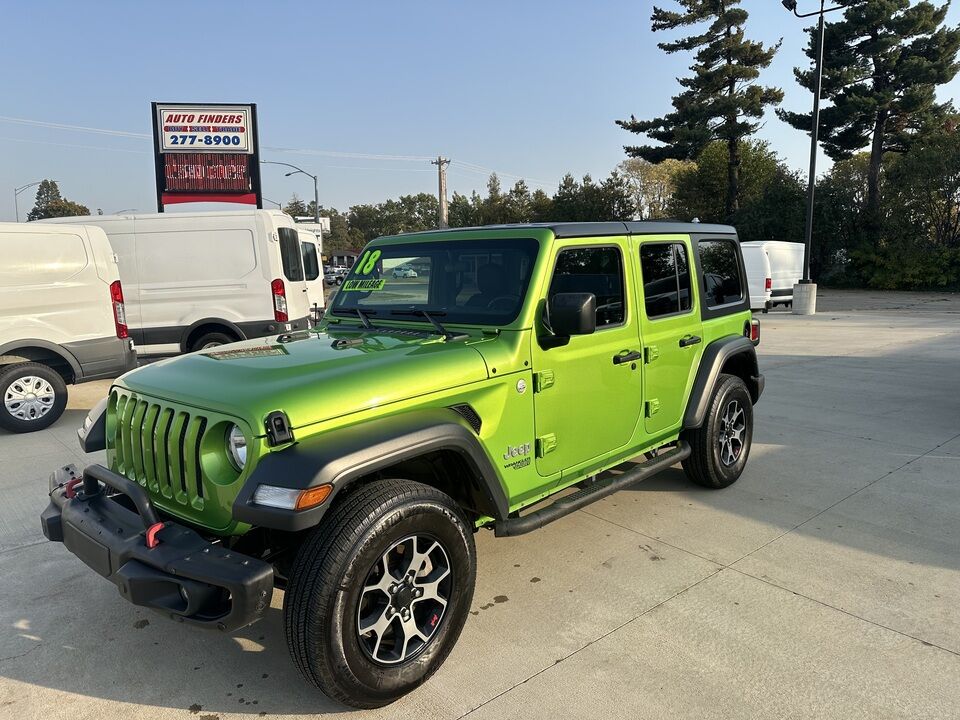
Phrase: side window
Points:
(722, 283)
(666, 278)
(290, 254)
(597, 270)
(311, 263)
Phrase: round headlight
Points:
(237, 447)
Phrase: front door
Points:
(671, 329)
(587, 401)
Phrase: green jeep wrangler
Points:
(461, 379)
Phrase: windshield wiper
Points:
(362, 314)
(431, 318)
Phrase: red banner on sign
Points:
(206, 172)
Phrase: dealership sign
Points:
(206, 153)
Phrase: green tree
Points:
(721, 99)
(50, 204)
(651, 186)
(772, 199)
(296, 207)
(882, 63)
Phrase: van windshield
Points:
(474, 282)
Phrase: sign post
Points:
(206, 152)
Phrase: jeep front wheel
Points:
(719, 448)
(379, 592)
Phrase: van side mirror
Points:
(573, 314)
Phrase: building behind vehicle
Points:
(198, 280)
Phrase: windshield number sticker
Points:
(364, 285)
(367, 263)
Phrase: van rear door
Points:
(312, 268)
(291, 263)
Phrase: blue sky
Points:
(527, 89)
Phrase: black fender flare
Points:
(11, 348)
(715, 355)
(341, 456)
(233, 327)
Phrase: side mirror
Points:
(573, 314)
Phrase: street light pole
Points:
(16, 196)
(805, 292)
(316, 186)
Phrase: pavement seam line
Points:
(847, 497)
(844, 612)
(592, 642)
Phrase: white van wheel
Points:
(211, 340)
(34, 397)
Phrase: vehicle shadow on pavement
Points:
(111, 650)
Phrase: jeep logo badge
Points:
(516, 450)
(521, 386)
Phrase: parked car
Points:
(62, 319)
(353, 464)
(404, 271)
(333, 277)
(773, 268)
(196, 280)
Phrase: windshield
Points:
(475, 282)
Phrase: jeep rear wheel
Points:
(379, 592)
(720, 447)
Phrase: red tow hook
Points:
(68, 489)
(152, 539)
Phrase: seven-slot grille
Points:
(158, 446)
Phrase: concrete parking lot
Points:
(824, 584)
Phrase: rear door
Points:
(312, 268)
(586, 403)
(291, 263)
(670, 327)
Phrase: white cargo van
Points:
(773, 268)
(198, 279)
(62, 319)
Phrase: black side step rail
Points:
(593, 492)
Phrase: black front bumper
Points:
(183, 575)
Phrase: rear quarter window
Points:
(720, 273)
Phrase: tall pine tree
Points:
(882, 63)
(721, 100)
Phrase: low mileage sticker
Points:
(364, 285)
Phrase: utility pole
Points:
(441, 163)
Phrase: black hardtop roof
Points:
(599, 229)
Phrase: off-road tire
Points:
(10, 374)
(705, 466)
(320, 607)
(211, 340)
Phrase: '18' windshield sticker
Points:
(367, 262)
(364, 285)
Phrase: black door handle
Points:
(627, 356)
(689, 340)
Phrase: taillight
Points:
(755, 331)
(279, 301)
(119, 311)
(768, 284)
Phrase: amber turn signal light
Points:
(313, 496)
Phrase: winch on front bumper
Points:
(110, 523)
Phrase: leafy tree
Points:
(882, 63)
(50, 204)
(651, 186)
(720, 100)
(296, 207)
(772, 198)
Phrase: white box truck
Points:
(195, 280)
(62, 319)
(773, 268)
